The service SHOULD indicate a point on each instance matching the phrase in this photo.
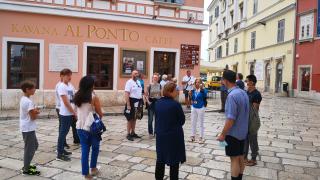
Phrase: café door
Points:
(164, 62)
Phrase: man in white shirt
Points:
(67, 113)
(133, 98)
(187, 82)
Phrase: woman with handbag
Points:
(88, 105)
(152, 95)
(170, 145)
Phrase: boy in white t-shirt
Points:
(67, 113)
(28, 115)
(58, 104)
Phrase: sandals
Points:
(201, 141)
(192, 139)
(251, 163)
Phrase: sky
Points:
(205, 35)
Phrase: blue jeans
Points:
(87, 140)
(151, 115)
(63, 131)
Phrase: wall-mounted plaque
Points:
(131, 60)
(259, 70)
(63, 56)
(189, 56)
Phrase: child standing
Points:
(28, 115)
(67, 114)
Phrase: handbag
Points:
(97, 127)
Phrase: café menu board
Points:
(189, 56)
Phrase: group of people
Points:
(75, 107)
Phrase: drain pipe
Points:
(294, 48)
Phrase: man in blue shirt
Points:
(235, 129)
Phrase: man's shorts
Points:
(235, 147)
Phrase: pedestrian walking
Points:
(255, 99)
(235, 129)
(187, 82)
(134, 104)
(58, 104)
(170, 145)
(67, 114)
(28, 116)
(199, 103)
(87, 104)
(239, 81)
(153, 94)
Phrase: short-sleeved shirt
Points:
(163, 83)
(134, 88)
(254, 96)
(26, 124)
(57, 97)
(190, 81)
(68, 91)
(237, 109)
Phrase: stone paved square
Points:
(289, 141)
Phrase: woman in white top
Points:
(87, 103)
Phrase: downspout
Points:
(294, 48)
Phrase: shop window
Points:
(100, 66)
(164, 62)
(252, 68)
(305, 79)
(23, 64)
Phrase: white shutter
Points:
(302, 24)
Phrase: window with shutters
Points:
(210, 20)
(253, 40)
(255, 7)
(281, 29)
(227, 49)
(219, 52)
(235, 50)
(216, 12)
(306, 26)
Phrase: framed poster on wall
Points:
(131, 60)
(189, 56)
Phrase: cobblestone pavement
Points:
(289, 141)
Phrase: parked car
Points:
(214, 83)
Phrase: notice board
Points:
(189, 56)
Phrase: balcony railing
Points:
(172, 3)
